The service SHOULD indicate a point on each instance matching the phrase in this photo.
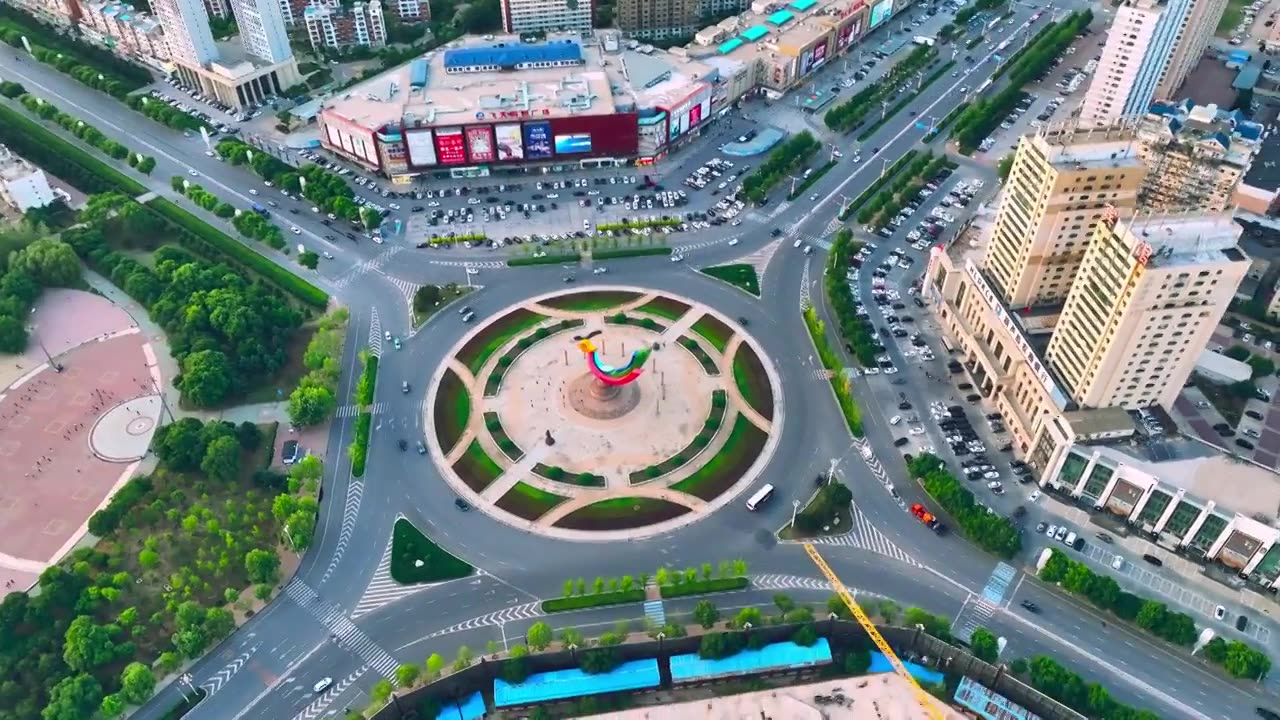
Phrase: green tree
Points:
(983, 645)
(73, 698)
(137, 683)
(434, 666)
(87, 645)
(464, 659)
(706, 614)
(222, 459)
(263, 566)
(309, 260)
(539, 636)
(112, 706)
(49, 261)
(311, 405)
(207, 377)
(749, 615)
(380, 691)
(406, 675)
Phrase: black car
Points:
(1153, 560)
(1267, 714)
(461, 504)
(1241, 623)
(1030, 606)
(1244, 443)
(900, 442)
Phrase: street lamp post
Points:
(884, 108)
(164, 403)
(56, 367)
(795, 510)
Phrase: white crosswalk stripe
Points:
(407, 288)
(755, 216)
(865, 536)
(501, 617)
(375, 334)
(321, 704)
(478, 264)
(383, 589)
(347, 411)
(368, 266)
(833, 226)
(348, 636)
(781, 208)
(822, 373)
(973, 617)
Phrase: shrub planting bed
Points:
(994, 533)
(629, 252)
(494, 381)
(409, 547)
(358, 451)
(709, 428)
(714, 331)
(600, 599)
(752, 380)
(783, 161)
(813, 178)
(476, 468)
(740, 450)
(879, 182)
(622, 514)
(664, 307)
(839, 384)
(646, 323)
(708, 365)
(740, 275)
(548, 259)
(560, 475)
(480, 348)
(702, 587)
(452, 411)
(590, 301)
(528, 502)
(828, 508)
(508, 447)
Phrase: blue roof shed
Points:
(778, 656)
(561, 684)
(513, 54)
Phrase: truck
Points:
(928, 519)
(924, 40)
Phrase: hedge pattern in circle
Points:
(546, 446)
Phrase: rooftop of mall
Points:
(770, 27)
(495, 78)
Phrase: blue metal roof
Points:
(778, 656)
(780, 17)
(880, 664)
(729, 46)
(803, 5)
(755, 32)
(1248, 78)
(561, 684)
(470, 709)
(513, 54)
(417, 72)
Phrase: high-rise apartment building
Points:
(1195, 155)
(658, 19)
(262, 29)
(546, 16)
(56, 12)
(360, 24)
(1144, 303)
(1140, 42)
(217, 8)
(1061, 182)
(186, 28)
(1194, 34)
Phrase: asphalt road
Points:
(266, 669)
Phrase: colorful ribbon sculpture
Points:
(608, 374)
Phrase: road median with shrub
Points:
(994, 533)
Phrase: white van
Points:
(760, 497)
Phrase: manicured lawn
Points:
(476, 468)
(480, 348)
(409, 546)
(739, 275)
(448, 293)
(664, 307)
(452, 411)
(708, 365)
(740, 450)
(558, 474)
(621, 514)
(526, 501)
(752, 380)
(714, 331)
(1231, 17)
(590, 301)
(508, 446)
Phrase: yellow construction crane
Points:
(922, 696)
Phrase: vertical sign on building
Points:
(450, 147)
(480, 144)
(537, 140)
(510, 145)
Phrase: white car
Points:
(895, 419)
(193, 173)
(734, 241)
(1219, 612)
(1117, 563)
(677, 258)
(599, 271)
(1033, 496)
(295, 230)
(322, 684)
(327, 255)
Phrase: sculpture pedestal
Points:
(591, 398)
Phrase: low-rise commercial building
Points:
(1185, 495)
(63, 13)
(23, 186)
(546, 16)
(124, 29)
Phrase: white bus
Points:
(760, 497)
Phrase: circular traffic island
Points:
(603, 414)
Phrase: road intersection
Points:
(340, 618)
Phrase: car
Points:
(295, 230)
(404, 387)
(1104, 537)
(1053, 530)
(1153, 560)
(327, 255)
(322, 684)
(289, 452)
(461, 504)
(734, 241)
(1061, 534)
(895, 419)
(1242, 622)
(900, 442)
(396, 341)
(1117, 563)
(1219, 612)
(1040, 526)
(422, 449)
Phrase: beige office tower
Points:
(1061, 181)
(1145, 301)
(1192, 40)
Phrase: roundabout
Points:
(614, 413)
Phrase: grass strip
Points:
(359, 448)
(664, 307)
(604, 599)
(485, 343)
(880, 182)
(61, 158)
(714, 331)
(814, 177)
(622, 513)
(839, 383)
(416, 559)
(752, 380)
(452, 411)
(548, 259)
(590, 301)
(736, 456)
(476, 468)
(703, 587)
(368, 378)
(740, 275)
(528, 502)
(629, 252)
(508, 446)
(708, 365)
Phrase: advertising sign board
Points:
(537, 140)
(450, 147)
(421, 150)
(881, 12)
(480, 144)
(573, 144)
(820, 54)
(510, 145)
(845, 36)
(695, 115)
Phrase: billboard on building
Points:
(574, 144)
(695, 115)
(705, 105)
(844, 36)
(806, 61)
(537, 140)
(880, 12)
(480, 144)
(450, 147)
(819, 54)
(420, 147)
(351, 138)
(615, 135)
(510, 145)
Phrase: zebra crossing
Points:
(502, 617)
(321, 704)
(973, 616)
(407, 288)
(349, 411)
(822, 373)
(760, 258)
(781, 208)
(375, 334)
(215, 681)
(478, 264)
(833, 226)
(704, 244)
(383, 589)
(866, 536)
(345, 632)
(372, 264)
(655, 614)
(755, 216)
